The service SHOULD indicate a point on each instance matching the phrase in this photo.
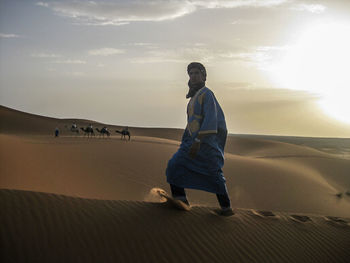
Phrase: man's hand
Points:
(194, 149)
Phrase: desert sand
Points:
(80, 199)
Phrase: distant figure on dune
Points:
(89, 131)
(57, 132)
(124, 132)
(198, 162)
(104, 131)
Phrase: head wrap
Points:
(198, 66)
(193, 88)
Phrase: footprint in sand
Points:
(265, 214)
(339, 195)
(300, 218)
(336, 221)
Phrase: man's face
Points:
(195, 76)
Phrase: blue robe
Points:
(204, 172)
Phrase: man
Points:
(198, 162)
(57, 132)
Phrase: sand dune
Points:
(22, 123)
(115, 169)
(55, 228)
(274, 176)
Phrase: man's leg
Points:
(225, 203)
(224, 200)
(178, 193)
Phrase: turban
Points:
(198, 66)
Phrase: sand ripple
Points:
(40, 227)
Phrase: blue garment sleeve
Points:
(210, 115)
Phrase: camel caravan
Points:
(89, 131)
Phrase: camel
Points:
(103, 132)
(88, 131)
(124, 133)
(73, 128)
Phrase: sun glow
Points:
(319, 62)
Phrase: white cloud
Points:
(238, 3)
(70, 61)
(9, 35)
(261, 57)
(123, 12)
(142, 44)
(254, 56)
(45, 55)
(272, 48)
(313, 8)
(244, 22)
(42, 4)
(199, 52)
(105, 52)
(179, 55)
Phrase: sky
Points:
(277, 67)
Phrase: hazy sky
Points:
(276, 66)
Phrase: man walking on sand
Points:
(198, 162)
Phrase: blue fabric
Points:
(204, 172)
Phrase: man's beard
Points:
(194, 87)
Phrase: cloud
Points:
(45, 55)
(237, 85)
(70, 61)
(201, 52)
(105, 52)
(178, 55)
(313, 8)
(244, 22)
(123, 12)
(143, 45)
(258, 55)
(273, 48)
(42, 4)
(9, 35)
(254, 56)
(57, 56)
(238, 3)
(261, 57)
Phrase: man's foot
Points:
(180, 204)
(182, 201)
(224, 211)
